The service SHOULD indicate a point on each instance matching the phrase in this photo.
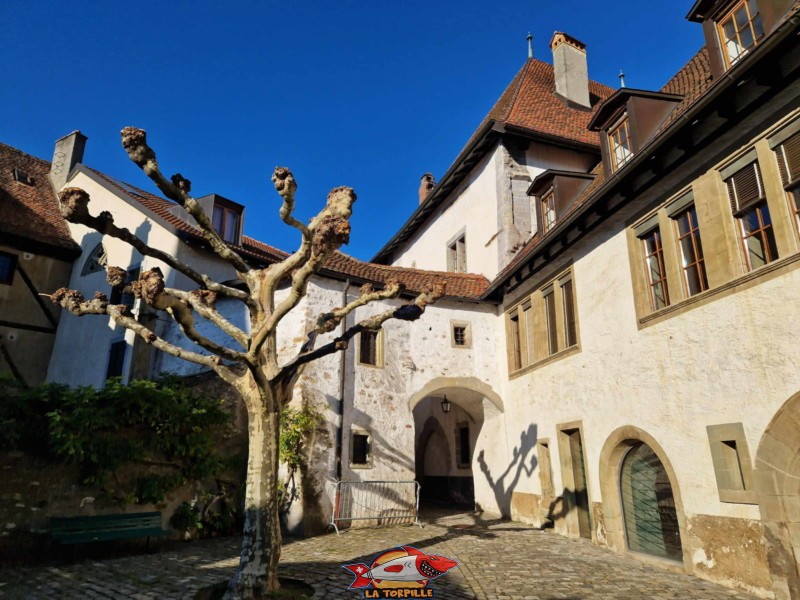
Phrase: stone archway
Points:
(616, 447)
(458, 451)
(777, 481)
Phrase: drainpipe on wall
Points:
(340, 424)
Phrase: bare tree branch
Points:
(150, 289)
(406, 312)
(75, 208)
(74, 302)
(202, 301)
(329, 230)
(135, 143)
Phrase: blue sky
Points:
(366, 94)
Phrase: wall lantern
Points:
(445, 405)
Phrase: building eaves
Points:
(31, 218)
(695, 83)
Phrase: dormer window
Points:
(739, 30)
(619, 142)
(226, 223)
(548, 202)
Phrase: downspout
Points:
(340, 407)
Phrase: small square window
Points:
(226, 223)
(370, 348)
(740, 30)
(360, 450)
(8, 264)
(732, 466)
(461, 335)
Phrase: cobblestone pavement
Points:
(500, 560)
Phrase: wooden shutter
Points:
(744, 188)
(789, 160)
(461, 255)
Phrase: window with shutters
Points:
(548, 204)
(116, 359)
(654, 266)
(619, 142)
(457, 255)
(788, 154)
(570, 323)
(515, 348)
(749, 206)
(691, 251)
(740, 30)
(550, 320)
(370, 348)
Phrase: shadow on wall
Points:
(503, 486)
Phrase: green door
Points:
(648, 506)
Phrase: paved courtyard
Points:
(500, 560)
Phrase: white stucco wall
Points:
(731, 360)
(474, 211)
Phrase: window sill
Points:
(359, 466)
(360, 364)
(545, 361)
(738, 496)
(774, 268)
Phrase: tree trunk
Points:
(261, 547)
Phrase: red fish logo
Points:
(404, 568)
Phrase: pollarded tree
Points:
(252, 368)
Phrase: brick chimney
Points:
(570, 68)
(425, 186)
(68, 153)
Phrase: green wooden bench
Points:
(81, 530)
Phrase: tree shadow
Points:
(504, 485)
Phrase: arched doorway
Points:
(642, 507)
(777, 480)
(648, 505)
(456, 445)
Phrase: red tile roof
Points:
(692, 81)
(529, 102)
(458, 285)
(31, 212)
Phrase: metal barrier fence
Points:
(386, 502)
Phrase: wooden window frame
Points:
(615, 141)
(515, 341)
(569, 310)
(551, 318)
(730, 16)
(378, 349)
(659, 255)
(457, 253)
(548, 210)
(226, 212)
(12, 267)
(697, 248)
(762, 232)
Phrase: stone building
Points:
(616, 348)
